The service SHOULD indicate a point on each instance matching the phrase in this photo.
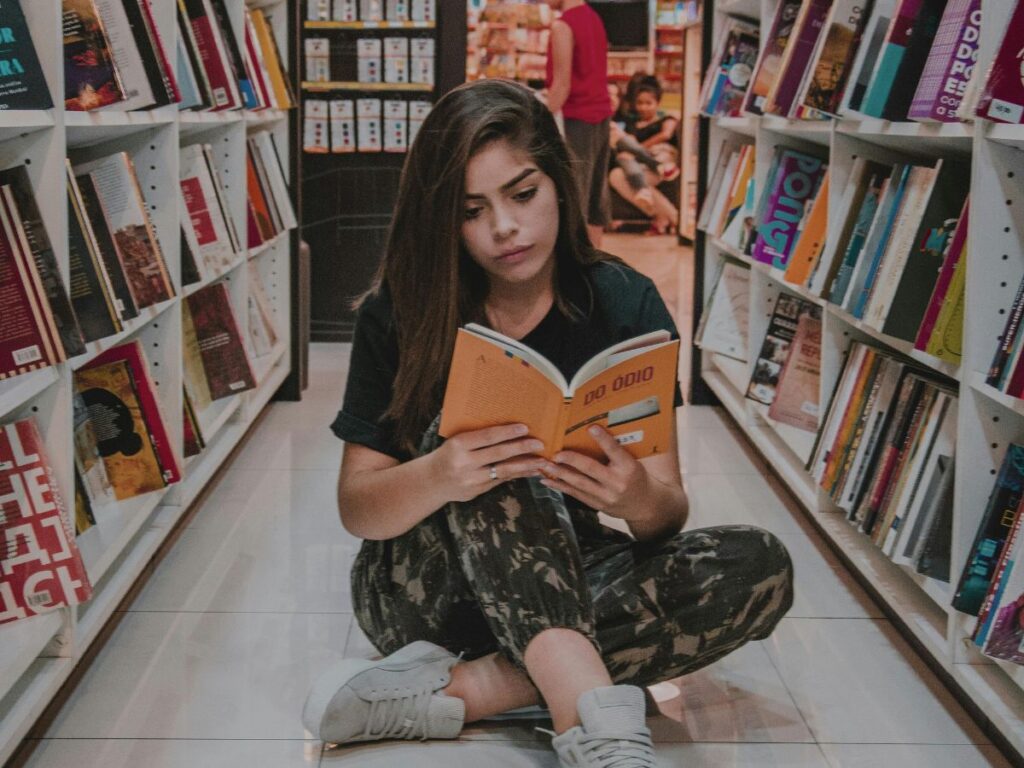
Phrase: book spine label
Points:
(950, 64)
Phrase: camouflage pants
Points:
(490, 574)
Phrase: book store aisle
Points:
(210, 663)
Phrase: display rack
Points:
(38, 654)
(988, 420)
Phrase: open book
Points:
(628, 389)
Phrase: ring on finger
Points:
(493, 472)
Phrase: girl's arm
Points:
(668, 130)
(381, 498)
(561, 66)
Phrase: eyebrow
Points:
(507, 185)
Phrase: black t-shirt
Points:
(625, 304)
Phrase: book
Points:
(995, 524)
(916, 279)
(915, 58)
(193, 438)
(868, 52)
(875, 175)
(728, 75)
(232, 52)
(225, 363)
(193, 270)
(729, 232)
(159, 66)
(772, 51)
(897, 37)
(91, 80)
(951, 258)
(133, 233)
(946, 342)
(98, 228)
(831, 64)
(268, 161)
(1006, 636)
(628, 389)
(190, 64)
(89, 467)
(22, 83)
(122, 21)
(950, 64)
(1003, 570)
(797, 56)
(1002, 98)
(20, 201)
(90, 293)
(786, 194)
(84, 517)
(41, 568)
(221, 81)
(781, 330)
(810, 238)
(207, 217)
(934, 558)
(723, 326)
(279, 80)
(193, 376)
(797, 395)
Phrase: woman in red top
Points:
(577, 74)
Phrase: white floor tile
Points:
(203, 676)
(823, 589)
(717, 451)
(855, 681)
(740, 756)
(739, 698)
(912, 756)
(749, 499)
(300, 449)
(171, 753)
(691, 417)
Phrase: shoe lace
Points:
(403, 716)
(612, 750)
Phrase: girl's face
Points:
(511, 215)
(646, 105)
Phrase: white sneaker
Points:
(613, 733)
(391, 698)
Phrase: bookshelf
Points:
(38, 654)
(988, 419)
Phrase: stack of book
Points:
(218, 71)
(885, 456)
(114, 57)
(823, 58)
(1006, 372)
(270, 209)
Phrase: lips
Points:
(512, 253)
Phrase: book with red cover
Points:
(225, 362)
(953, 254)
(1003, 97)
(212, 52)
(797, 394)
(133, 354)
(25, 343)
(40, 566)
(257, 202)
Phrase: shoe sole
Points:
(346, 673)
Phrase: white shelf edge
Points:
(117, 119)
(188, 118)
(264, 117)
(261, 396)
(145, 317)
(228, 410)
(265, 364)
(43, 680)
(978, 384)
(22, 642)
(27, 120)
(266, 245)
(19, 390)
(116, 525)
(191, 288)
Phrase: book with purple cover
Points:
(950, 64)
(792, 187)
(772, 52)
(798, 56)
(1003, 97)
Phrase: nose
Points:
(504, 223)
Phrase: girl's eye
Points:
(525, 195)
(472, 213)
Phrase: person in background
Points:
(644, 141)
(576, 80)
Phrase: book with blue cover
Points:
(891, 57)
(22, 84)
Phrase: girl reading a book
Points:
(485, 574)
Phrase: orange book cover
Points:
(737, 189)
(853, 409)
(257, 202)
(808, 248)
(628, 389)
(268, 45)
(109, 393)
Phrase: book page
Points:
(490, 386)
(634, 400)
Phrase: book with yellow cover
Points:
(946, 341)
(811, 240)
(628, 389)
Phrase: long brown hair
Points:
(434, 285)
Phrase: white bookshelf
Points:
(37, 655)
(988, 419)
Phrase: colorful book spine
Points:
(794, 185)
(1003, 571)
(995, 525)
(772, 53)
(1008, 340)
(953, 253)
(947, 340)
(811, 240)
(90, 79)
(826, 84)
(798, 56)
(891, 57)
(887, 220)
(1003, 97)
(950, 64)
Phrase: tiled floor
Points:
(211, 664)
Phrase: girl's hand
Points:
(617, 488)
(471, 463)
